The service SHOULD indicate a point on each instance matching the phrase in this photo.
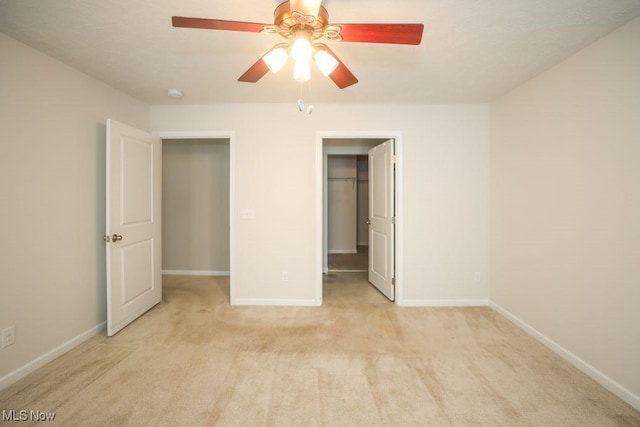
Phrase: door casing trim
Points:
(231, 136)
(319, 202)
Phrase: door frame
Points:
(230, 135)
(320, 228)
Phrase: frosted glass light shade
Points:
(301, 49)
(301, 71)
(326, 62)
(275, 59)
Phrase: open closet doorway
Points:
(356, 213)
(348, 213)
(196, 208)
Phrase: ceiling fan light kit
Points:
(326, 63)
(302, 23)
(276, 58)
(301, 71)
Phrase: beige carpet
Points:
(357, 361)
(345, 262)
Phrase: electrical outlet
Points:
(477, 277)
(8, 336)
(285, 276)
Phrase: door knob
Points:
(116, 237)
(368, 222)
(106, 238)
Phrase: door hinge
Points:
(393, 281)
(393, 220)
(394, 159)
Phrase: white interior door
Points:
(134, 280)
(381, 218)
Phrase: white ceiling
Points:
(472, 51)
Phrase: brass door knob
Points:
(116, 237)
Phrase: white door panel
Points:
(381, 212)
(138, 280)
(137, 164)
(378, 246)
(134, 281)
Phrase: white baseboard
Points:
(52, 354)
(342, 251)
(443, 303)
(195, 273)
(598, 376)
(278, 302)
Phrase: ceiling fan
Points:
(302, 23)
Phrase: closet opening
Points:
(348, 213)
(196, 182)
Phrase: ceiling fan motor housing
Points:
(287, 23)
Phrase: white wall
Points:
(195, 206)
(565, 202)
(52, 184)
(446, 193)
(342, 204)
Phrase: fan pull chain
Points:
(301, 104)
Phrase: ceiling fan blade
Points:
(341, 76)
(216, 24)
(382, 33)
(255, 72)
